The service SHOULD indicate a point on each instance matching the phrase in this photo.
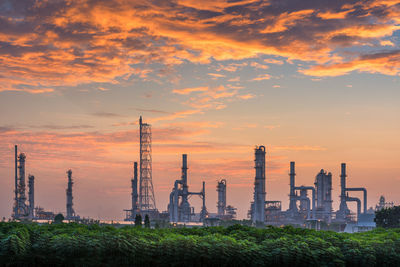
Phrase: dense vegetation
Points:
(94, 245)
(388, 217)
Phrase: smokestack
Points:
(204, 195)
(16, 180)
(343, 180)
(70, 209)
(134, 189)
(343, 209)
(184, 169)
(258, 213)
(292, 193)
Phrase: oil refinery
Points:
(310, 206)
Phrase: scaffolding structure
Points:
(147, 202)
(70, 209)
(179, 207)
(21, 209)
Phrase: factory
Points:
(306, 211)
(25, 210)
(309, 206)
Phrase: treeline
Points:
(388, 217)
(94, 245)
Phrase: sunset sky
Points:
(316, 82)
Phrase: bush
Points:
(93, 245)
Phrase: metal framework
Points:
(31, 196)
(221, 204)
(70, 209)
(179, 207)
(131, 213)
(146, 191)
(21, 209)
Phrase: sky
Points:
(316, 82)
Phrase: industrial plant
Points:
(310, 206)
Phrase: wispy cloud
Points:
(186, 91)
(247, 96)
(107, 115)
(216, 75)
(262, 77)
(61, 127)
(153, 111)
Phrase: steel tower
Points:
(70, 209)
(20, 210)
(146, 192)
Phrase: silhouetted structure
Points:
(221, 204)
(21, 209)
(258, 204)
(31, 196)
(131, 213)
(344, 213)
(179, 208)
(70, 209)
(147, 200)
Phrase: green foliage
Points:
(146, 221)
(59, 218)
(388, 217)
(94, 245)
(138, 220)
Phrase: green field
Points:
(94, 245)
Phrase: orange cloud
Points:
(386, 63)
(262, 77)
(47, 45)
(186, 91)
(248, 96)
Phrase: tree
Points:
(147, 221)
(59, 218)
(388, 217)
(138, 220)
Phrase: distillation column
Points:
(258, 211)
(21, 210)
(134, 182)
(15, 212)
(221, 204)
(203, 212)
(31, 196)
(323, 184)
(343, 209)
(292, 194)
(70, 210)
(185, 208)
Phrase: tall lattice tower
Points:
(146, 192)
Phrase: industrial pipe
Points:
(365, 195)
(313, 196)
(356, 199)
